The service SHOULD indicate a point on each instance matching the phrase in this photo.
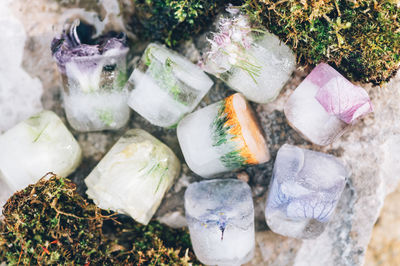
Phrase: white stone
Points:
(19, 93)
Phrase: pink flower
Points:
(341, 98)
(222, 39)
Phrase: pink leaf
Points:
(341, 98)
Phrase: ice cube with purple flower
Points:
(325, 104)
(248, 58)
(304, 191)
(220, 215)
(94, 74)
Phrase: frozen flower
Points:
(69, 47)
(343, 99)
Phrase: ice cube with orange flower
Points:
(221, 137)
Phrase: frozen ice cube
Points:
(133, 176)
(253, 63)
(304, 191)
(34, 147)
(222, 137)
(325, 104)
(166, 86)
(220, 215)
(94, 77)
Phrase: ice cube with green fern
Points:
(134, 175)
(166, 86)
(34, 147)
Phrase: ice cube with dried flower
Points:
(134, 175)
(304, 191)
(222, 137)
(220, 215)
(94, 74)
(325, 104)
(248, 58)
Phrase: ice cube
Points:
(325, 104)
(222, 137)
(253, 63)
(220, 215)
(304, 191)
(166, 86)
(34, 147)
(133, 176)
(94, 77)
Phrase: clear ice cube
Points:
(134, 175)
(222, 137)
(95, 98)
(34, 147)
(251, 61)
(324, 105)
(166, 86)
(304, 191)
(220, 215)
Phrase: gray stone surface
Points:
(369, 148)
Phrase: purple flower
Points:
(339, 96)
(70, 47)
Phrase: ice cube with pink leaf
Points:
(325, 104)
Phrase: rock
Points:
(369, 148)
(19, 92)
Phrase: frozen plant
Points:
(325, 104)
(166, 86)
(94, 75)
(304, 191)
(34, 147)
(220, 215)
(222, 137)
(249, 59)
(134, 175)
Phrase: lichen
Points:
(50, 223)
(359, 38)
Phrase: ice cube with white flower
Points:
(248, 58)
(220, 215)
(304, 191)
(34, 147)
(133, 176)
(325, 104)
(166, 86)
(222, 137)
(94, 75)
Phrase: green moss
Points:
(360, 39)
(170, 21)
(49, 223)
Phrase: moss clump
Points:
(360, 38)
(171, 21)
(49, 223)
